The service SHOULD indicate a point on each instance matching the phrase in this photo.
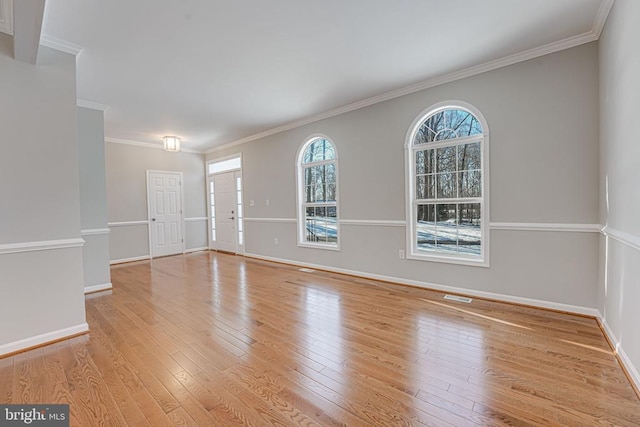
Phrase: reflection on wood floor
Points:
(217, 340)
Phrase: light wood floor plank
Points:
(210, 339)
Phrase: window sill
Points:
(447, 259)
(319, 246)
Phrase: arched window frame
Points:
(413, 252)
(300, 194)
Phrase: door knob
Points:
(153, 219)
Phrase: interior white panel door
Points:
(165, 213)
(225, 206)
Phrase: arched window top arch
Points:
(446, 124)
(318, 149)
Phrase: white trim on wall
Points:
(541, 226)
(44, 245)
(128, 223)
(158, 145)
(91, 105)
(374, 222)
(97, 288)
(94, 231)
(43, 339)
(194, 219)
(617, 347)
(287, 220)
(628, 239)
(132, 259)
(61, 45)
(586, 311)
(601, 17)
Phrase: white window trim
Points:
(410, 186)
(301, 232)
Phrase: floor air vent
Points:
(306, 270)
(457, 298)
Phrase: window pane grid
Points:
(451, 172)
(317, 187)
(447, 124)
(239, 210)
(447, 174)
(318, 150)
(320, 183)
(213, 209)
(449, 228)
(321, 223)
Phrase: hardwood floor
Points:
(216, 340)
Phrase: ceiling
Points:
(215, 72)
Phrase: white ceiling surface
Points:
(218, 71)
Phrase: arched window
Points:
(447, 166)
(317, 179)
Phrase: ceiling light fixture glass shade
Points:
(171, 143)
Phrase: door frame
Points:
(240, 249)
(182, 222)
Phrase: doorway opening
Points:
(226, 213)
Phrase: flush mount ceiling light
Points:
(171, 143)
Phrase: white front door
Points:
(165, 213)
(225, 212)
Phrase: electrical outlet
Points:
(275, 241)
(252, 203)
(267, 202)
(401, 254)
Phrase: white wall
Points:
(543, 123)
(41, 285)
(619, 294)
(127, 166)
(93, 199)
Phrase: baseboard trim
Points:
(623, 359)
(530, 302)
(188, 251)
(97, 288)
(132, 259)
(42, 340)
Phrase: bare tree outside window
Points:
(319, 210)
(447, 177)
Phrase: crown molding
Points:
(90, 104)
(147, 145)
(135, 143)
(549, 48)
(601, 17)
(6, 17)
(61, 45)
